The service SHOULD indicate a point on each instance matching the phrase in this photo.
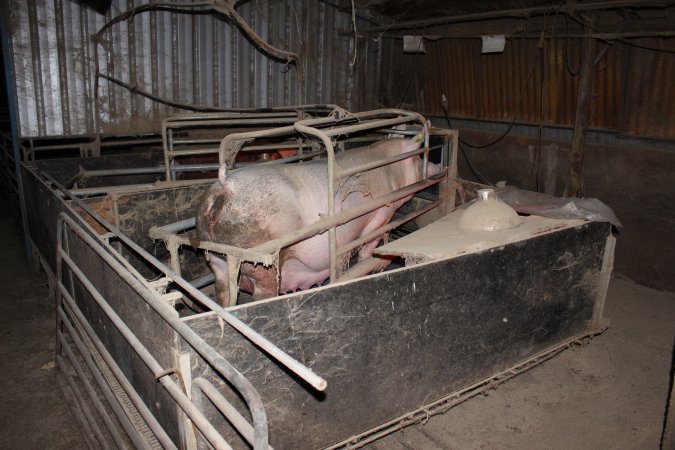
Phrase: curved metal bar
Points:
(221, 365)
(202, 385)
(261, 342)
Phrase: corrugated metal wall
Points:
(633, 90)
(196, 59)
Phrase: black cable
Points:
(476, 173)
(444, 105)
(515, 115)
(574, 73)
(412, 72)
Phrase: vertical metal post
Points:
(14, 120)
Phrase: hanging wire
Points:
(444, 106)
(412, 72)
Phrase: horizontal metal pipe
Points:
(322, 225)
(370, 125)
(387, 227)
(519, 12)
(174, 227)
(231, 414)
(110, 189)
(379, 163)
(203, 281)
(205, 350)
(255, 112)
(131, 187)
(292, 158)
(135, 398)
(86, 173)
(361, 116)
(234, 121)
(251, 255)
(193, 168)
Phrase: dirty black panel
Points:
(138, 212)
(396, 341)
(42, 211)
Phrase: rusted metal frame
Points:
(308, 127)
(448, 402)
(104, 388)
(202, 347)
(158, 371)
(201, 386)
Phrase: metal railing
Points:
(323, 129)
(187, 145)
(69, 314)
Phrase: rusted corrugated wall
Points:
(198, 59)
(633, 90)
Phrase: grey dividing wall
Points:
(191, 58)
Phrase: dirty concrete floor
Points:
(33, 412)
(610, 393)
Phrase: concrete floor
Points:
(610, 393)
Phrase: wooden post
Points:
(574, 187)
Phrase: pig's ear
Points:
(410, 145)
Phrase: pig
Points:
(253, 205)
